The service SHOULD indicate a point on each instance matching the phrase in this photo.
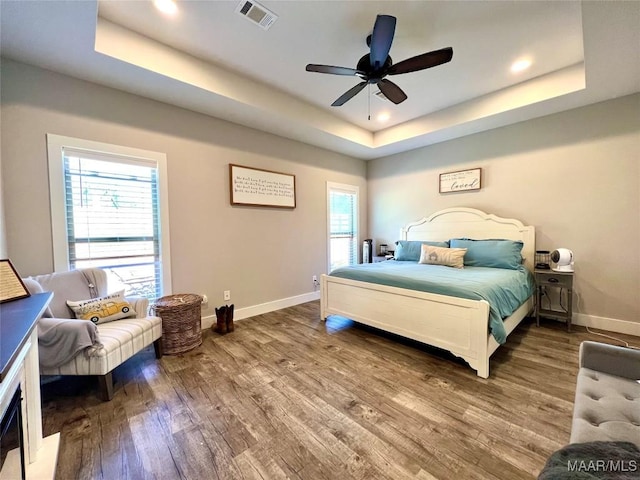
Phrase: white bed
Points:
(458, 325)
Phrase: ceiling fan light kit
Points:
(373, 67)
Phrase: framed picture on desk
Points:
(11, 285)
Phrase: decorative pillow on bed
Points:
(490, 253)
(410, 250)
(450, 257)
(103, 309)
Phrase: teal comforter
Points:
(505, 290)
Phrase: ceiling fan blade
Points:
(420, 62)
(349, 94)
(381, 39)
(392, 91)
(331, 69)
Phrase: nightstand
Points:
(559, 280)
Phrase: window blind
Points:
(343, 231)
(113, 218)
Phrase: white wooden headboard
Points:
(459, 222)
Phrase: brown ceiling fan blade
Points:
(349, 94)
(421, 62)
(392, 91)
(312, 67)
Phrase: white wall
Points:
(575, 176)
(260, 254)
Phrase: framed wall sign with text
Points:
(254, 186)
(461, 181)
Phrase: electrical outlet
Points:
(315, 279)
(227, 294)
(205, 300)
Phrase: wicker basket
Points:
(181, 324)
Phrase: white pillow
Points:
(103, 309)
(450, 257)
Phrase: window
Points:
(108, 206)
(342, 205)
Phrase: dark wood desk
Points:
(18, 318)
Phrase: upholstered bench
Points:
(605, 433)
(89, 349)
(607, 401)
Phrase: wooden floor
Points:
(289, 396)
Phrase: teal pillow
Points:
(490, 253)
(410, 250)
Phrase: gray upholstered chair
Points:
(79, 347)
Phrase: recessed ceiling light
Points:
(383, 117)
(520, 65)
(166, 6)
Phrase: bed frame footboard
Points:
(458, 325)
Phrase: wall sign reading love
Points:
(460, 181)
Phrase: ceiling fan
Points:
(377, 64)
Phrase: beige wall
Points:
(260, 254)
(3, 231)
(575, 176)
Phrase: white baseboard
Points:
(601, 323)
(609, 324)
(254, 310)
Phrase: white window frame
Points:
(55, 151)
(353, 189)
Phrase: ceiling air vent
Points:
(256, 13)
(381, 96)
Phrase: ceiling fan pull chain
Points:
(369, 101)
